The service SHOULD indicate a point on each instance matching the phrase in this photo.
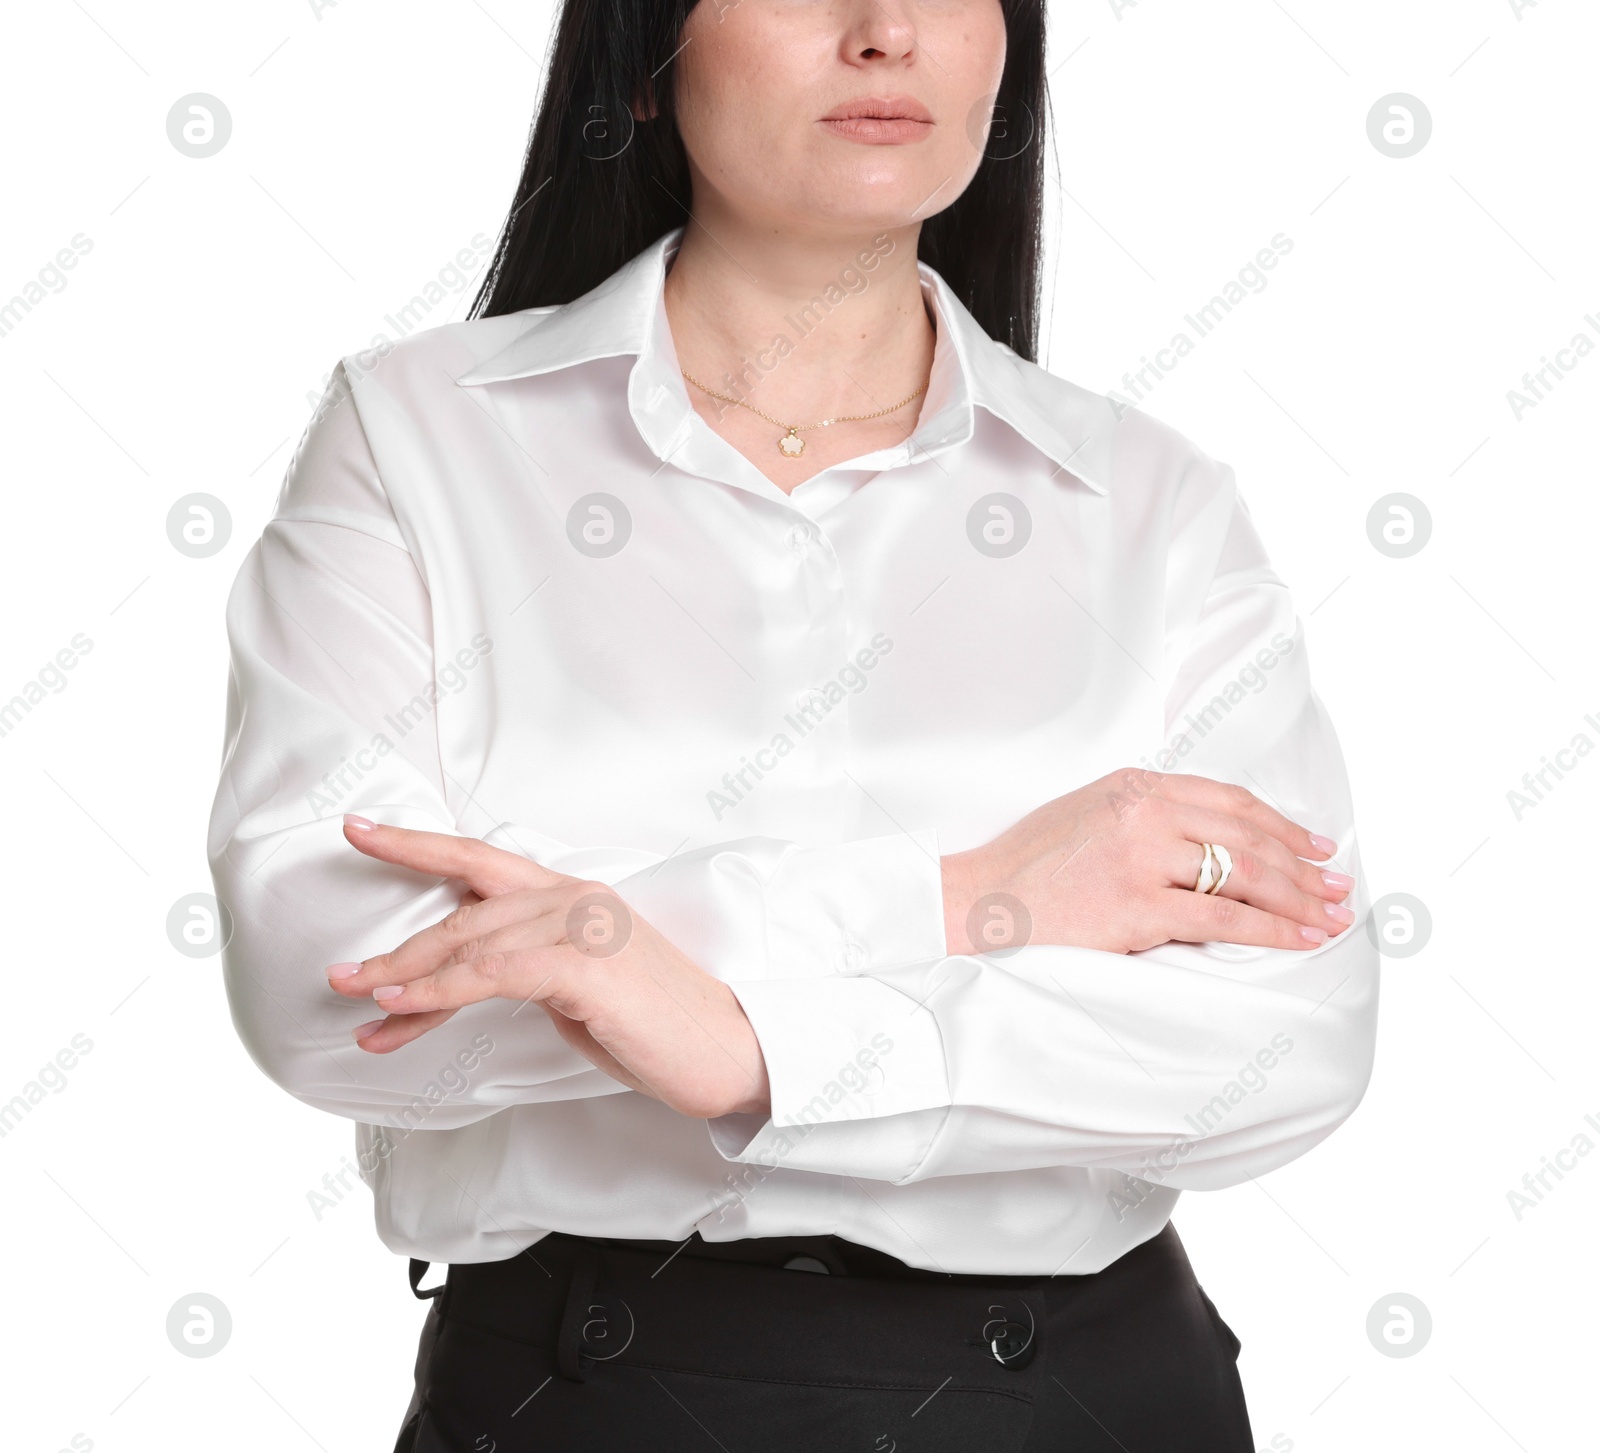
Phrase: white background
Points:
(370, 144)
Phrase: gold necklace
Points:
(791, 443)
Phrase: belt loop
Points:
(419, 1269)
(585, 1270)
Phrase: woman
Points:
(834, 818)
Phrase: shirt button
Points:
(798, 538)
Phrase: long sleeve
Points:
(1194, 1066)
(331, 645)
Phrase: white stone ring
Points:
(1215, 865)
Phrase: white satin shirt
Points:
(516, 588)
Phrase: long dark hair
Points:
(598, 187)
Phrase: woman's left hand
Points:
(618, 992)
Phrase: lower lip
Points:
(879, 130)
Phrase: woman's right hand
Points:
(1113, 866)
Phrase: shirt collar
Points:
(626, 314)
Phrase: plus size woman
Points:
(793, 832)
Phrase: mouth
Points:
(880, 119)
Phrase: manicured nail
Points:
(1313, 935)
(1324, 845)
(1339, 913)
(361, 824)
(343, 971)
(388, 991)
(1339, 882)
(361, 1031)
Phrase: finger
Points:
(453, 935)
(1254, 881)
(381, 1036)
(532, 974)
(1240, 802)
(486, 870)
(1237, 834)
(1191, 917)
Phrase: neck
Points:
(796, 324)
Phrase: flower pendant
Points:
(791, 444)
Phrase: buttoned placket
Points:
(817, 602)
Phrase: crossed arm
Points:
(1110, 866)
(1133, 1003)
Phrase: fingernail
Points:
(361, 824)
(1313, 935)
(1322, 844)
(361, 1031)
(343, 971)
(1339, 913)
(388, 991)
(1339, 882)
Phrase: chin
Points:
(871, 191)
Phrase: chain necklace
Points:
(791, 443)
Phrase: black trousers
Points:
(783, 1344)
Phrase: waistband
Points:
(741, 1308)
(834, 1255)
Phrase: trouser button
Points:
(1012, 1344)
(806, 1263)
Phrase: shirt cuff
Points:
(768, 908)
(854, 1068)
(878, 902)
